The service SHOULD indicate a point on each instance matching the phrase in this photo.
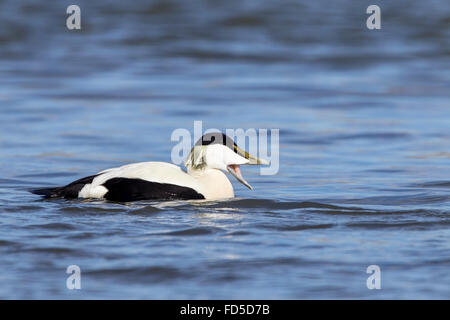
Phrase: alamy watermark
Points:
(254, 141)
(374, 20)
(74, 280)
(74, 20)
(373, 281)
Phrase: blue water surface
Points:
(364, 177)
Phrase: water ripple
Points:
(197, 231)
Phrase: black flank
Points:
(126, 189)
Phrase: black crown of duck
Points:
(212, 155)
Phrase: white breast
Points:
(213, 184)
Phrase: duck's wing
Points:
(129, 189)
(142, 181)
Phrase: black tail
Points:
(69, 192)
(48, 192)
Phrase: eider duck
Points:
(204, 179)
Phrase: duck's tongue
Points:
(235, 170)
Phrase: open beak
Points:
(235, 170)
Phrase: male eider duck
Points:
(204, 179)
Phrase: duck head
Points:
(218, 151)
